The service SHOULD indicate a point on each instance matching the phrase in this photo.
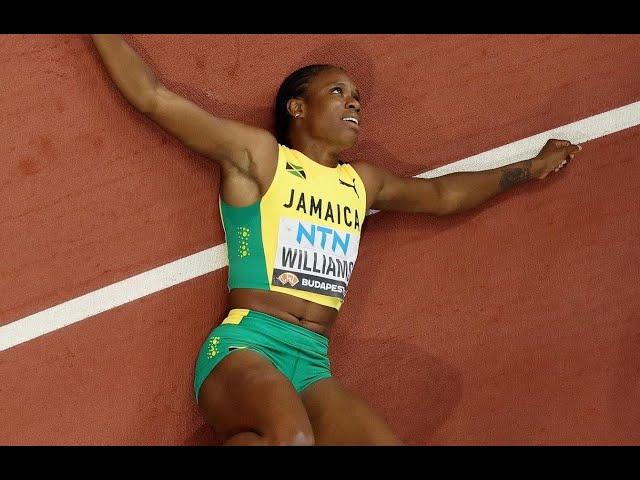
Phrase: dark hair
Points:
(294, 86)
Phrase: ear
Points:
(295, 107)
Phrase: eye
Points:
(338, 89)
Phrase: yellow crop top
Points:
(301, 238)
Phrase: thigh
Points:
(338, 417)
(246, 393)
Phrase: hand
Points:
(553, 156)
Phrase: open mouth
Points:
(352, 121)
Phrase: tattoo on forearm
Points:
(514, 176)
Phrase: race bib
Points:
(314, 258)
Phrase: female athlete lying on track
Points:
(293, 211)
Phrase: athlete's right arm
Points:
(233, 144)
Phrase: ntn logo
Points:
(317, 233)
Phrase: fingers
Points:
(568, 148)
(564, 162)
(574, 148)
(565, 144)
(559, 143)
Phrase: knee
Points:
(293, 435)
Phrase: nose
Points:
(353, 104)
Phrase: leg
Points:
(338, 417)
(246, 399)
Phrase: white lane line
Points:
(581, 131)
(214, 258)
(113, 296)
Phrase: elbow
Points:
(145, 99)
(444, 211)
(146, 102)
(449, 204)
(443, 200)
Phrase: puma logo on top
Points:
(350, 185)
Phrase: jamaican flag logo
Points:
(296, 170)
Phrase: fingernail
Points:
(579, 147)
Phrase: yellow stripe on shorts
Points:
(235, 316)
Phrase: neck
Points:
(320, 152)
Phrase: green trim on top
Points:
(243, 229)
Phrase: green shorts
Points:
(300, 354)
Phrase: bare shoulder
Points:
(369, 173)
(372, 175)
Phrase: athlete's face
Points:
(331, 109)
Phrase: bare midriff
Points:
(315, 317)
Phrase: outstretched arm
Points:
(233, 144)
(461, 191)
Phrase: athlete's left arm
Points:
(460, 191)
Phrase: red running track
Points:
(517, 323)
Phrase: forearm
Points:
(470, 189)
(129, 71)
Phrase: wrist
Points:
(536, 167)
